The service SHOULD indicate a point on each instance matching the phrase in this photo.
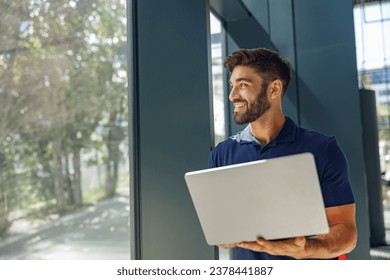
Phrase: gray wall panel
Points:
(328, 89)
(174, 130)
(282, 37)
(259, 9)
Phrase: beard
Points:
(255, 109)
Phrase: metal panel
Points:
(133, 105)
(171, 126)
(259, 10)
(328, 93)
(230, 10)
(283, 38)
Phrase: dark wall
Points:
(170, 125)
(328, 90)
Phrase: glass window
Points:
(372, 26)
(217, 55)
(219, 92)
(64, 186)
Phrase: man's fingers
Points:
(227, 246)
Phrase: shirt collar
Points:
(287, 134)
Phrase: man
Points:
(259, 79)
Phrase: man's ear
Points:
(276, 88)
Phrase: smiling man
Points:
(259, 79)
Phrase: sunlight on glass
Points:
(372, 29)
(217, 74)
(64, 183)
(215, 24)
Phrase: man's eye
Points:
(243, 85)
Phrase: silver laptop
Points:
(273, 199)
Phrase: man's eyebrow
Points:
(241, 79)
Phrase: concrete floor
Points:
(97, 232)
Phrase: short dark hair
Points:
(270, 65)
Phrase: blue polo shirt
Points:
(332, 166)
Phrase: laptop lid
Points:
(273, 199)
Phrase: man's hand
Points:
(341, 238)
(293, 247)
(227, 246)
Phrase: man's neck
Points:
(267, 127)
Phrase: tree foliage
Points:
(63, 97)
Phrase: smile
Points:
(239, 105)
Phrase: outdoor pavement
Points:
(387, 224)
(96, 232)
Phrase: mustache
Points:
(238, 100)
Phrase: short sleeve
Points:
(334, 177)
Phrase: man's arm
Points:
(341, 238)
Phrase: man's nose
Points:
(233, 94)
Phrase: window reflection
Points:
(217, 54)
(64, 182)
(372, 25)
(219, 94)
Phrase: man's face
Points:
(248, 94)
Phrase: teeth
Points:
(239, 105)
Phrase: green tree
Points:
(62, 76)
